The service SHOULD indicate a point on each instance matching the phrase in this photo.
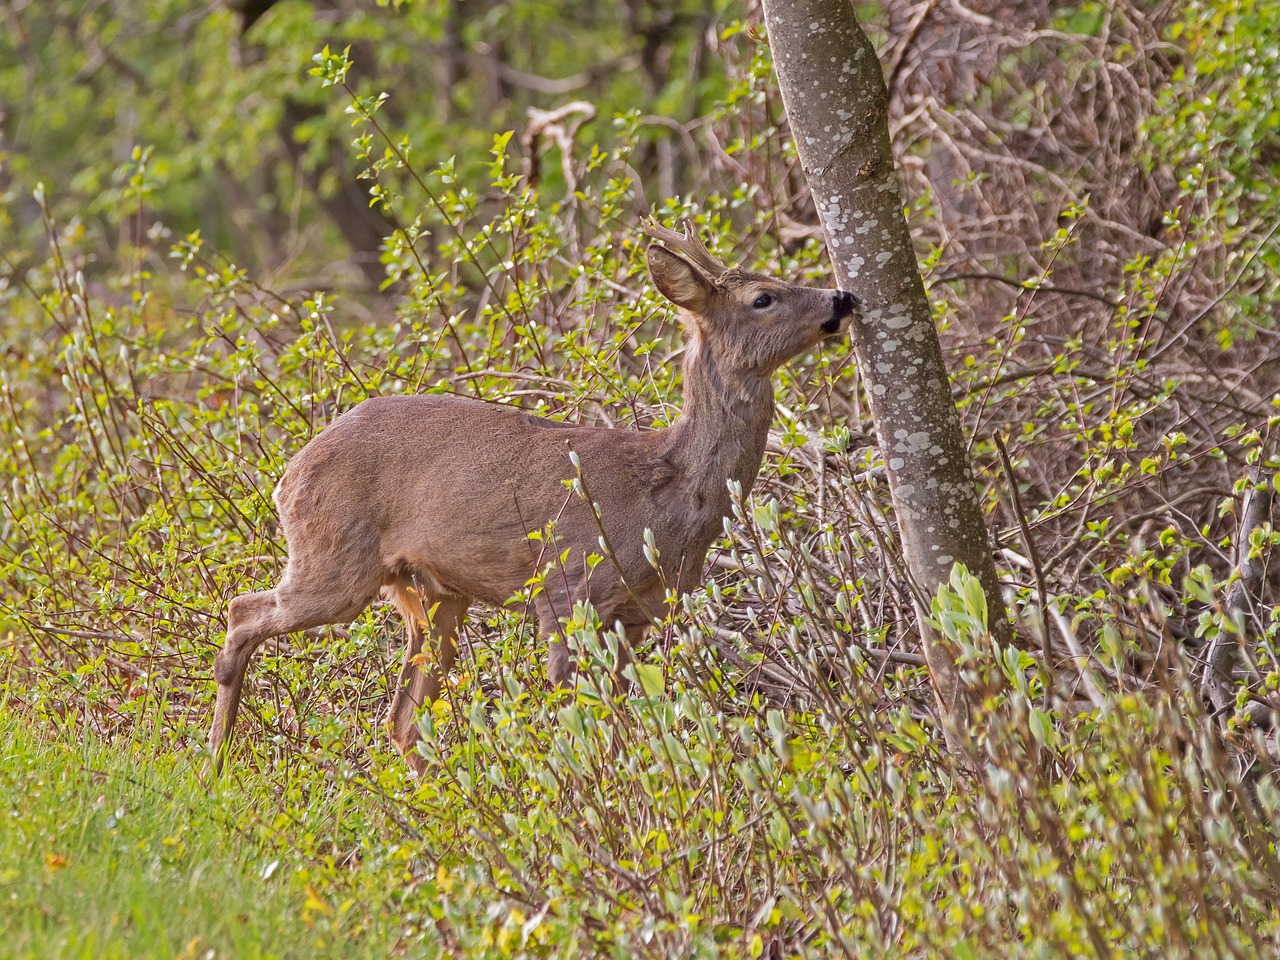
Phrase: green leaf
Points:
(649, 676)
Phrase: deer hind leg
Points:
(298, 603)
(425, 616)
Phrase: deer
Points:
(437, 501)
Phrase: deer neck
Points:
(722, 433)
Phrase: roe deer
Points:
(433, 498)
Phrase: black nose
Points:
(844, 303)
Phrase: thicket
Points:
(1094, 201)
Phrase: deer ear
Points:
(677, 279)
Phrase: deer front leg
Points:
(422, 676)
(560, 666)
(549, 607)
(633, 634)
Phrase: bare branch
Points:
(1225, 650)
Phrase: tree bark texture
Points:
(837, 104)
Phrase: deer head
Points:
(749, 323)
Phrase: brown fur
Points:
(432, 498)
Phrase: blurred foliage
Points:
(1217, 124)
(185, 300)
(242, 142)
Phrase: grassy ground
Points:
(122, 851)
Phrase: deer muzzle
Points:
(843, 304)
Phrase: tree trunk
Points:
(362, 226)
(837, 105)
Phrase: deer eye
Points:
(762, 301)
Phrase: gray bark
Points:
(837, 105)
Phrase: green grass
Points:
(120, 851)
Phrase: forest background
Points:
(193, 282)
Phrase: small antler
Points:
(688, 243)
